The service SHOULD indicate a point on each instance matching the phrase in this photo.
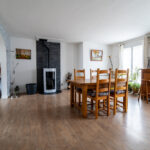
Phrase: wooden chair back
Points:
(79, 74)
(121, 80)
(103, 82)
(145, 76)
(93, 74)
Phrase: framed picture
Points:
(96, 55)
(23, 53)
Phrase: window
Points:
(127, 58)
(133, 59)
(137, 57)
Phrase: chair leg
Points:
(143, 97)
(75, 99)
(147, 98)
(126, 103)
(146, 93)
(79, 99)
(115, 102)
(96, 109)
(108, 106)
(91, 104)
(104, 104)
(139, 96)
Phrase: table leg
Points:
(126, 103)
(71, 95)
(84, 101)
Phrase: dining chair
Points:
(143, 90)
(93, 74)
(79, 74)
(120, 90)
(147, 90)
(102, 92)
(145, 85)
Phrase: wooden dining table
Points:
(84, 85)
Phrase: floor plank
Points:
(46, 122)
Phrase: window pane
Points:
(127, 58)
(137, 59)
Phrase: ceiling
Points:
(103, 21)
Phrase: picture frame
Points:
(96, 55)
(23, 53)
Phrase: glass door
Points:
(133, 59)
(50, 80)
(138, 60)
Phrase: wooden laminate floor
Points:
(46, 122)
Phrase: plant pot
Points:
(135, 88)
(135, 91)
(31, 88)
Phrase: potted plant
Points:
(135, 87)
(17, 91)
(13, 94)
(130, 86)
(68, 78)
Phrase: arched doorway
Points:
(3, 64)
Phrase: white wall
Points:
(73, 55)
(6, 41)
(114, 53)
(146, 49)
(79, 56)
(26, 69)
(88, 64)
(69, 53)
(3, 62)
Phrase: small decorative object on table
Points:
(68, 78)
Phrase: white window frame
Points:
(132, 46)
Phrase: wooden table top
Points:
(87, 81)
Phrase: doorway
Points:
(3, 66)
